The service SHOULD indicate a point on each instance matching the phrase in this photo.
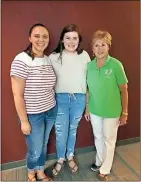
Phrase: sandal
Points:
(47, 178)
(32, 179)
(57, 172)
(102, 178)
(72, 169)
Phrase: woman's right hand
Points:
(26, 127)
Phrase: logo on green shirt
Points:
(108, 72)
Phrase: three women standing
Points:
(33, 81)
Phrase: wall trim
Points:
(22, 163)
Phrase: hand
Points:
(87, 115)
(26, 128)
(122, 120)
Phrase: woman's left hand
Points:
(122, 120)
(87, 115)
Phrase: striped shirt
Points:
(40, 80)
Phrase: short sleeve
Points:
(120, 74)
(19, 69)
(88, 59)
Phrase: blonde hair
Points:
(99, 34)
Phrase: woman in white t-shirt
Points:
(70, 64)
(33, 81)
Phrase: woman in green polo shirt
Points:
(107, 101)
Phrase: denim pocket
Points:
(52, 113)
(33, 118)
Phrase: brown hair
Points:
(28, 50)
(100, 34)
(60, 46)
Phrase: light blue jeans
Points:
(70, 109)
(41, 125)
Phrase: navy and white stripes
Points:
(40, 80)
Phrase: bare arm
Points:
(124, 102)
(86, 114)
(124, 97)
(18, 86)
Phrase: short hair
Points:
(100, 34)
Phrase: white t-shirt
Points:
(40, 80)
(71, 74)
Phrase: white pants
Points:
(105, 136)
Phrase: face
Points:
(100, 48)
(71, 41)
(39, 39)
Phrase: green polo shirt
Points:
(103, 87)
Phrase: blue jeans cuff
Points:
(30, 170)
(40, 168)
(70, 155)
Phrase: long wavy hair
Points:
(60, 47)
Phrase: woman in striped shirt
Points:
(33, 81)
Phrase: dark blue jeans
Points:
(70, 110)
(41, 125)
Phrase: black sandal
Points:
(57, 172)
(72, 169)
(47, 177)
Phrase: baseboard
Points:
(22, 163)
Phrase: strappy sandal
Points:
(45, 178)
(57, 172)
(32, 179)
(72, 169)
(102, 178)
